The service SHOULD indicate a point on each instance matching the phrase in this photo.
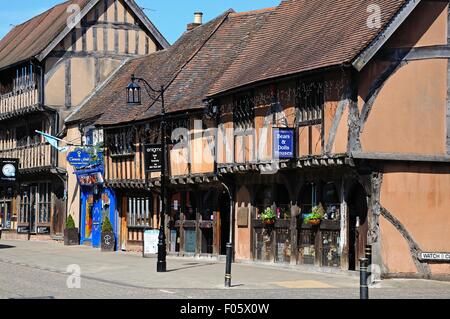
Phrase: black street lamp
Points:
(134, 97)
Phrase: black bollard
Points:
(363, 276)
(368, 253)
(228, 265)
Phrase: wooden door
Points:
(123, 224)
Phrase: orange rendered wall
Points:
(419, 197)
(408, 115)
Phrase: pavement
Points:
(52, 270)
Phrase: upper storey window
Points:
(243, 111)
(310, 102)
(121, 142)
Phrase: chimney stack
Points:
(198, 21)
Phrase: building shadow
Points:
(6, 246)
(192, 265)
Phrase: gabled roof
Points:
(39, 35)
(304, 35)
(189, 68)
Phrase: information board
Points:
(151, 242)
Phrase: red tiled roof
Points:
(32, 37)
(303, 35)
(189, 67)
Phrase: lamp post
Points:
(134, 97)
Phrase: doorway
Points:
(224, 210)
(358, 225)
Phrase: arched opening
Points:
(358, 224)
(224, 212)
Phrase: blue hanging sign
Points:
(283, 143)
(79, 159)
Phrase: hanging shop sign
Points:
(79, 159)
(151, 238)
(90, 177)
(283, 143)
(435, 256)
(153, 157)
(8, 170)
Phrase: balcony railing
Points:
(19, 101)
(31, 156)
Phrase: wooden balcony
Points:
(19, 103)
(32, 156)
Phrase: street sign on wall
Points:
(8, 170)
(435, 256)
(283, 143)
(153, 157)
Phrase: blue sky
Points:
(169, 16)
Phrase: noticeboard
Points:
(151, 238)
(153, 157)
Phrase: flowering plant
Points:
(317, 214)
(268, 216)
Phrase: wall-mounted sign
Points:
(8, 170)
(151, 238)
(43, 230)
(435, 256)
(153, 157)
(23, 229)
(79, 158)
(283, 143)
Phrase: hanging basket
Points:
(314, 222)
(269, 222)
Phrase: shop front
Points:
(317, 219)
(97, 204)
(199, 222)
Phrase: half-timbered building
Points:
(199, 210)
(48, 66)
(362, 88)
(342, 105)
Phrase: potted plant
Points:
(108, 240)
(71, 233)
(268, 217)
(315, 217)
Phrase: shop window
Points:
(139, 212)
(44, 204)
(331, 203)
(25, 206)
(35, 204)
(306, 246)
(309, 101)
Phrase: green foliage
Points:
(268, 215)
(318, 212)
(107, 226)
(70, 223)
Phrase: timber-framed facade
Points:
(369, 118)
(48, 66)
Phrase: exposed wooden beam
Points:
(401, 157)
(365, 56)
(60, 37)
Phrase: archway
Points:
(358, 224)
